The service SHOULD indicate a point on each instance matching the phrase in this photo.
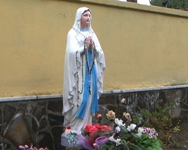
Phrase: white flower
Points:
(123, 100)
(139, 134)
(131, 127)
(111, 138)
(119, 122)
(140, 130)
(118, 129)
(118, 141)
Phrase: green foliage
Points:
(149, 144)
(130, 140)
(157, 2)
(161, 120)
(137, 119)
(107, 146)
(176, 4)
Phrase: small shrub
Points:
(176, 4)
(161, 120)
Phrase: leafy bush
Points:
(176, 4)
(161, 120)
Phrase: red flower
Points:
(96, 128)
(103, 127)
(91, 129)
(93, 132)
(88, 127)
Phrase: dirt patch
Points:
(180, 139)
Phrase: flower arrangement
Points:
(128, 136)
(121, 134)
(94, 136)
(26, 147)
(124, 135)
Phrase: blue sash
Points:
(90, 80)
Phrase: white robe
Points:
(74, 74)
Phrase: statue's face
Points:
(85, 19)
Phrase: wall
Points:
(145, 46)
(41, 122)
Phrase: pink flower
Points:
(99, 116)
(123, 100)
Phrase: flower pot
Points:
(68, 141)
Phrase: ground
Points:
(180, 138)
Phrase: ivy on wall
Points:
(176, 4)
